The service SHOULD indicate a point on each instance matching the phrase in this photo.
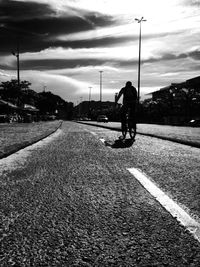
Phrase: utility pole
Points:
(16, 54)
(140, 35)
(101, 89)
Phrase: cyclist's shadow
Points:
(120, 143)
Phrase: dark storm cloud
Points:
(99, 42)
(162, 58)
(35, 34)
(37, 42)
(109, 41)
(165, 57)
(34, 24)
(170, 56)
(14, 17)
(14, 10)
(51, 64)
(195, 55)
(54, 25)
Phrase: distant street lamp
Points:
(16, 54)
(80, 106)
(90, 94)
(89, 101)
(139, 21)
(101, 89)
(44, 88)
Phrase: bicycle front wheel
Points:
(124, 130)
(132, 130)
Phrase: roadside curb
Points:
(183, 142)
(16, 147)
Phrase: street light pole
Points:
(80, 106)
(101, 89)
(139, 61)
(89, 101)
(18, 78)
(17, 56)
(90, 94)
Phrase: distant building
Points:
(94, 108)
(179, 89)
(7, 111)
(181, 99)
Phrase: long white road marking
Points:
(93, 133)
(192, 225)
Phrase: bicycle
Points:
(129, 125)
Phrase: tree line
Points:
(46, 102)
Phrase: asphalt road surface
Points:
(71, 200)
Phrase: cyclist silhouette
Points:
(129, 93)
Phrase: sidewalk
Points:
(183, 135)
(16, 136)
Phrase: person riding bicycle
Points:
(129, 93)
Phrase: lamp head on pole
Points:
(15, 54)
(140, 20)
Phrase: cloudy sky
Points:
(65, 43)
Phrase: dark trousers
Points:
(130, 109)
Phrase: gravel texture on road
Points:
(16, 136)
(73, 203)
(173, 167)
(184, 135)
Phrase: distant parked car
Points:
(194, 123)
(102, 118)
(85, 119)
(51, 117)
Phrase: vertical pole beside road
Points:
(18, 78)
(80, 107)
(89, 101)
(90, 94)
(16, 54)
(101, 89)
(139, 61)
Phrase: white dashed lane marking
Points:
(192, 225)
(93, 133)
(102, 140)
